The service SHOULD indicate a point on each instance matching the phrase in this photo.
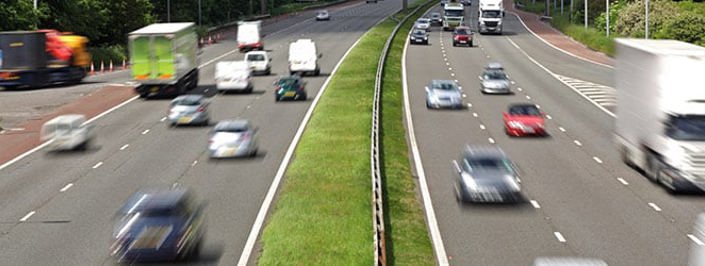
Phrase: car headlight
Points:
(413, 38)
(512, 183)
(425, 38)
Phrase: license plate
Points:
(290, 94)
(462, 41)
(185, 119)
(529, 130)
(228, 152)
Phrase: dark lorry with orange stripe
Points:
(164, 58)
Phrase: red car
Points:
(524, 119)
(462, 36)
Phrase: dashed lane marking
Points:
(27, 216)
(695, 240)
(559, 236)
(535, 204)
(69, 185)
(97, 165)
(654, 206)
(621, 180)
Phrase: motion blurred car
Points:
(462, 36)
(322, 15)
(466, 2)
(436, 19)
(443, 94)
(495, 82)
(232, 138)
(423, 23)
(67, 132)
(418, 36)
(158, 225)
(523, 119)
(259, 62)
(444, 2)
(494, 66)
(485, 174)
(189, 109)
(568, 261)
(290, 88)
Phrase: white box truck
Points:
(490, 16)
(249, 36)
(303, 57)
(660, 124)
(233, 76)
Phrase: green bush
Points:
(687, 27)
(591, 37)
(105, 53)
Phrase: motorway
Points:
(580, 199)
(57, 209)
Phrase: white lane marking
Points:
(465, 95)
(549, 117)
(621, 180)
(488, 56)
(654, 206)
(163, 119)
(559, 236)
(520, 89)
(16, 129)
(535, 204)
(97, 165)
(27, 216)
(559, 49)
(145, 131)
(447, 64)
(561, 129)
(696, 240)
(124, 147)
(445, 59)
(554, 75)
(456, 81)
(175, 185)
(577, 142)
(538, 106)
(69, 185)
(27, 153)
(269, 197)
(513, 82)
(482, 126)
(248, 107)
(528, 97)
(597, 159)
(491, 140)
(194, 163)
(431, 221)
(474, 114)
(452, 74)
(469, 105)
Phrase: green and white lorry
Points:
(164, 58)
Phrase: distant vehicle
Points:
(249, 36)
(436, 19)
(259, 62)
(494, 66)
(443, 94)
(67, 132)
(190, 109)
(453, 16)
(444, 2)
(39, 58)
(232, 138)
(462, 36)
(466, 2)
(164, 58)
(660, 117)
(524, 119)
(233, 76)
(568, 261)
(158, 226)
(370, 1)
(423, 23)
(490, 16)
(485, 174)
(303, 57)
(495, 82)
(322, 15)
(290, 88)
(418, 36)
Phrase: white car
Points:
(259, 62)
(322, 15)
(423, 23)
(67, 132)
(233, 138)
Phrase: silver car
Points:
(423, 23)
(495, 81)
(485, 174)
(322, 15)
(443, 94)
(233, 138)
(190, 109)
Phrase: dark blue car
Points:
(162, 225)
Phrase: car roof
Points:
(522, 105)
(232, 124)
(154, 200)
(441, 81)
(494, 65)
(483, 151)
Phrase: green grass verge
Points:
(407, 236)
(323, 215)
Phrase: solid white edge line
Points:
(559, 236)
(555, 47)
(27, 216)
(535, 204)
(621, 180)
(97, 165)
(577, 142)
(431, 221)
(269, 198)
(654, 206)
(69, 185)
(597, 159)
(696, 240)
(554, 75)
(145, 131)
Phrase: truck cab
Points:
(490, 16)
(453, 15)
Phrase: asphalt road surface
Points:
(57, 208)
(581, 200)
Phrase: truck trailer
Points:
(660, 124)
(33, 59)
(164, 58)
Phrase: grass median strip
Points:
(323, 214)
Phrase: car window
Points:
(488, 163)
(287, 82)
(187, 101)
(524, 110)
(445, 87)
(461, 31)
(255, 57)
(495, 75)
(232, 129)
(420, 32)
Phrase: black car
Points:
(158, 225)
(290, 88)
(418, 36)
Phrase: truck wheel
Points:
(318, 72)
(470, 44)
(652, 167)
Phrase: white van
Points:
(249, 36)
(233, 75)
(67, 132)
(259, 62)
(303, 57)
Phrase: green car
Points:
(290, 88)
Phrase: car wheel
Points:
(268, 72)
(652, 167)
(318, 72)
(470, 44)
(455, 44)
(206, 122)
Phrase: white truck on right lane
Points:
(490, 16)
(303, 57)
(660, 123)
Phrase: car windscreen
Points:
(287, 83)
(491, 14)
(231, 129)
(436, 15)
(444, 86)
(419, 32)
(255, 57)
(488, 164)
(461, 31)
(454, 13)
(495, 75)
(689, 127)
(186, 101)
(524, 110)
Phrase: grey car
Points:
(233, 138)
(443, 94)
(485, 174)
(189, 109)
(495, 81)
(322, 15)
(436, 19)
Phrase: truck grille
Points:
(696, 165)
(491, 23)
